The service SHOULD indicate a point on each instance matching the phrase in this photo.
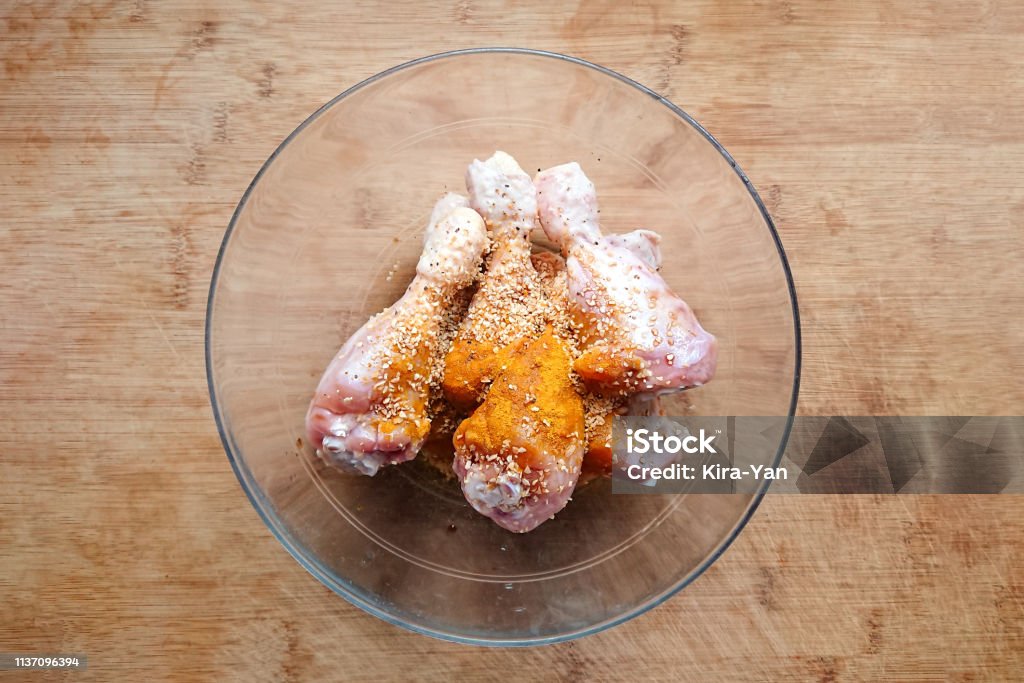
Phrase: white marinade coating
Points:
(643, 244)
(369, 409)
(631, 311)
(504, 195)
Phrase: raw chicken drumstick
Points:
(638, 336)
(598, 411)
(518, 455)
(506, 310)
(370, 408)
(598, 460)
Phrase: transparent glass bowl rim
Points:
(312, 564)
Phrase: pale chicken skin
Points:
(505, 311)
(638, 335)
(518, 456)
(599, 461)
(370, 407)
(599, 412)
(549, 349)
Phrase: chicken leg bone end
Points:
(503, 194)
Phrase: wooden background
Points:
(886, 138)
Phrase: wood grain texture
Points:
(885, 137)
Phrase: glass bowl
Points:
(328, 233)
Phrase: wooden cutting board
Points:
(886, 139)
